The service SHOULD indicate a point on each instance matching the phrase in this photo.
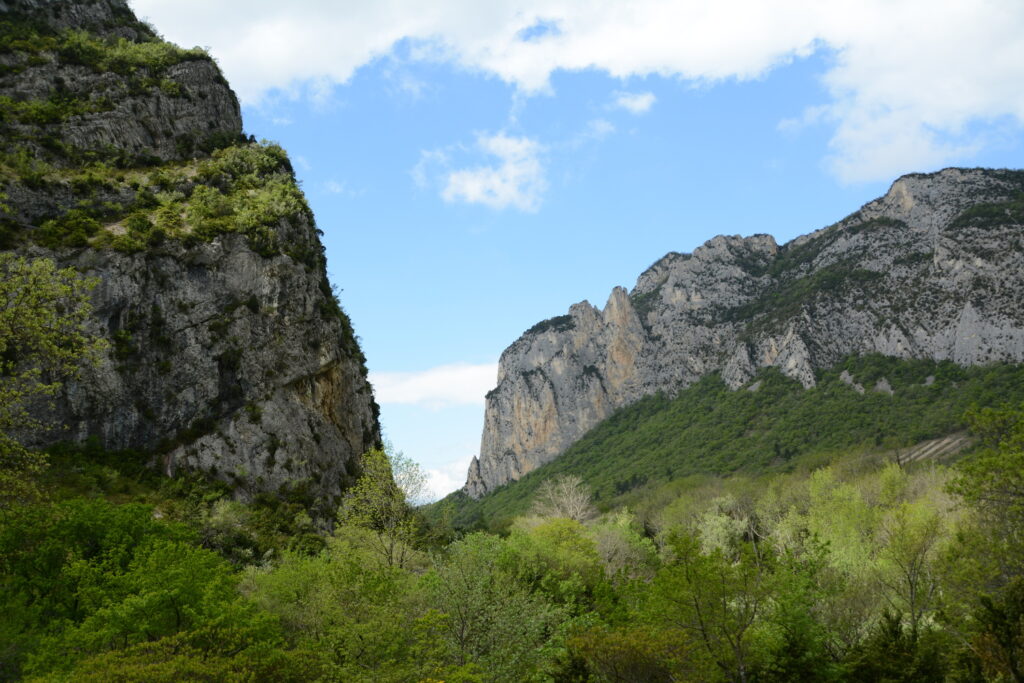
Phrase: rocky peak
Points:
(933, 269)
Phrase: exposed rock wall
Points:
(229, 353)
(934, 269)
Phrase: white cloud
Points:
(341, 188)
(517, 181)
(928, 68)
(421, 172)
(598, 129)
(634, 102)
(447, 478)
(459, 383)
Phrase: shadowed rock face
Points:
(934, 269)
(227, 355)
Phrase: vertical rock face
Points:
(123, 156)
(934, 269)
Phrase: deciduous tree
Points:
(43, 341)
(379, 503)
(564, 496)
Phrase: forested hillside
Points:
(865, 405)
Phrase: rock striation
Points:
(934, 269)
(123, 156)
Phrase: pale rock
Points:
(846, 378)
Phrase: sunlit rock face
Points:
(934, 269)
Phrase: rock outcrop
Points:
(934, 269)
(123, 156)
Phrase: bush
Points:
(74, 229)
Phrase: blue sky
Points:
(478, 167)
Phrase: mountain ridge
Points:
(951, 239)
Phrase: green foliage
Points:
(43, 311)
(119, 55)
(992, 481)
(490, 619)
(246, 189)
(56, 109)
(644, 303)
(788, 298)
(560, 323)
(378, 503)
(632, 653)
(57, 562)
(711, 604)
(893, 653)
(556, 557)
(993, 214)
(73, 229)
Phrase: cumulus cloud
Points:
(447, 478)
(517, 180)
(445, 385)
(928, 68)
(634, 103)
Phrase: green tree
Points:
(715, 604)
(992, 485)
(379, 503)
(557, 557)
(344, 603)
(992, 482)
(632, 653)
(908, 538)
(43, 342)
(489, 618)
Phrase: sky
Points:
(477, 167)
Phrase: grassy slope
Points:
(708, 429)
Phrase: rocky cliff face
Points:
(123, 156)
(934, 269)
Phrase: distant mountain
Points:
(934, 270)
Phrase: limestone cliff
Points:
(123, 156)
(934, 269)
